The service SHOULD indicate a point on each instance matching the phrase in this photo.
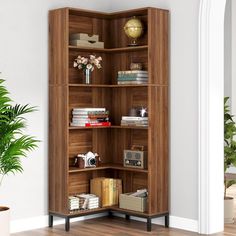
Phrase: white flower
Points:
(87, 62)
(92, 57)
(89, 66)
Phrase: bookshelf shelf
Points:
(107, 166)
(67, 92)
(110, 50)
(108, 127)
(108, 85)
(115, 85)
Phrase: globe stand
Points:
(133, 43)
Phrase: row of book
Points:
(134, 121)
(132, 77)
(90, 117)
(83, 202)
(107, 189)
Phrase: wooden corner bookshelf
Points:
(67, 91)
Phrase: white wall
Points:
(23, 50)
(230, 57)
(228, 50)
(233, 55)
(24, 63)
(183, 101)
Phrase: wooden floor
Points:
(120, 227)
(115, 227)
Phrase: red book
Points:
(98, 124)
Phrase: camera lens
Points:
(92, 161)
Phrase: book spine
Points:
(98, 124)
(132, 72)
(132, 79)
(131, 82)
(88, 109)
(133, 76)
(111, 192)
(105, 192)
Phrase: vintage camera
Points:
(88, 160)
(135, 158)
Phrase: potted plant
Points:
(229, 159)
(14, 144)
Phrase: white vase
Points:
(4, 221)
(87, 74)
(229, 210)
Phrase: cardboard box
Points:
(87, 44)
(83, 36)
(133, 203)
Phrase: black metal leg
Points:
(50, 221)
(167, 221)
(127, 217)
(67, 225)
(110, 214)
(149, 224)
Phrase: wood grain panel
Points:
(79, 97)
(58, 137)
(158, 46)
(101, 97)
(80, 141)
(139, 137)
(140, 181)
(101, 144)
(121, 140)
(58, 43)
(80, 24)
(158, 149)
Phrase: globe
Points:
(133, 29)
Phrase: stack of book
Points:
(107, 189)
(132, 77)
(134, 121)
(88, 201)
(73, 203)
(90, 117)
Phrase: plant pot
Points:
(229, 210)
(4, 221)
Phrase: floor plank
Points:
(116, 227)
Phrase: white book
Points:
(80, 120)
(77, 124)
(88, 109)
(131, 82)
(134, 118)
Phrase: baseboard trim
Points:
(174, 222)
(42, 221)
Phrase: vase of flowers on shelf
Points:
(87, 64)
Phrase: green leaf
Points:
(14, 144)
